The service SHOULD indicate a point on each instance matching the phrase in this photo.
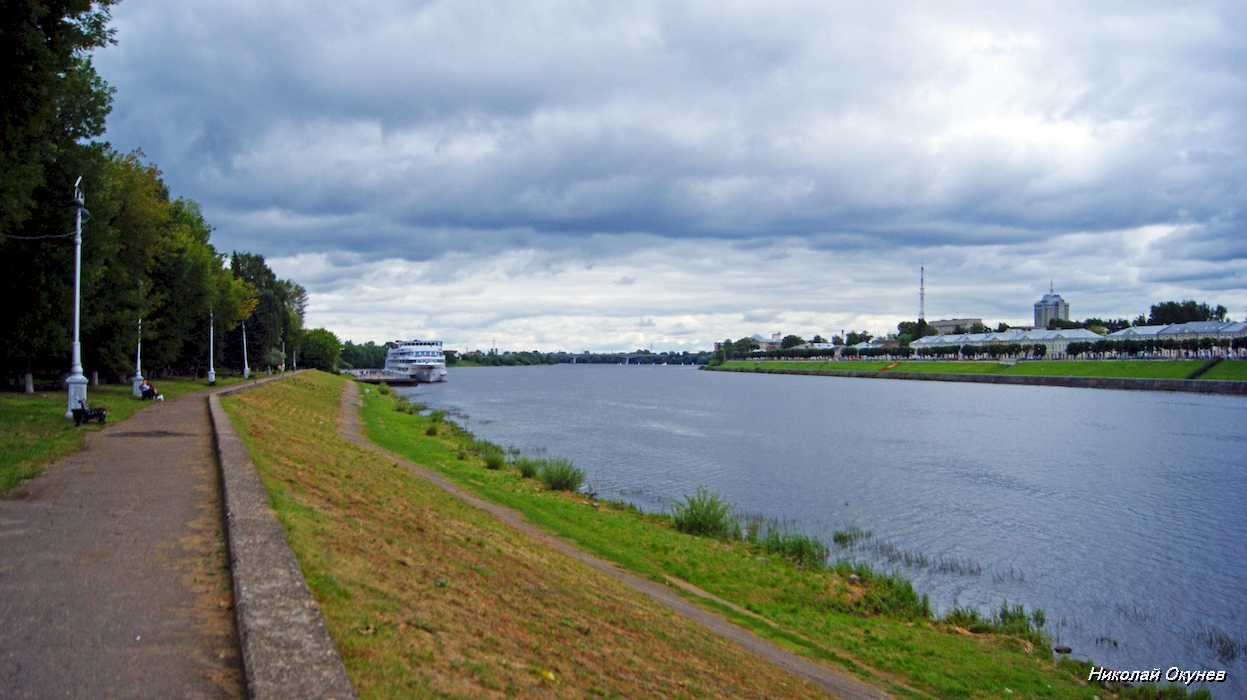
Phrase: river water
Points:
(1122, 514)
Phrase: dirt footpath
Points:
(114, 578)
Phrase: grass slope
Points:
(34, 432)
(1232, 370)
(1146, 369)
(816, 613)
(428, 597)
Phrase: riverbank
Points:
(852, 626)
(34, 432)
(425, 595)
(1227, 377)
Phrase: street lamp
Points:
(76, 383)
(246, 368)
(211, 350)
(138, 365)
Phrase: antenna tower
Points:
(922, 293)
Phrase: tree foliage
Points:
(366, 356)
(321, 350)
(276, 322)
(144, 255)
(1170, 312)
(916, 329)
(51, 98)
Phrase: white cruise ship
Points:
(419, 360)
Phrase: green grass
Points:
(1232, 370)
(34, 432)
(855, 365)
(426, 596)
(875, 627)
(1144, 369)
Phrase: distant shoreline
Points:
(1201, 386)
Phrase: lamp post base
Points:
(77, 385)
(211, 378)
(134, 385)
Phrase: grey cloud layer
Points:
(405, 129)
(689, 119)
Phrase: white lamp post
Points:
(246, 368)
(138, 365)
(211, 349)
(77, 383)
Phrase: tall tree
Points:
(51, 98)
(278, 315)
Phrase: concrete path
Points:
(837, 684)
(113, 578)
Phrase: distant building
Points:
(1050, 307)
(949, 325)
(1054, 342)
(1180, 331)
(771, 343)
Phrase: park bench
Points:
(86, 413)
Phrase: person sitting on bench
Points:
(148, 391)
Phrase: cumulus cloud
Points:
(458, 141)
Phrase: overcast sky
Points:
(590, 175)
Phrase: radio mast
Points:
(922, 293)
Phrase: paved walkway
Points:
(113, 579)
(837, 684)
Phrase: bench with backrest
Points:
(86, 413)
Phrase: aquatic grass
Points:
(383, 389)
(807, 551)
(707, 514)
(1134, 613)
(1226, 646)
(960, 566)
(560, 474)
(437, 416)
(1009, 575)
(850, 537)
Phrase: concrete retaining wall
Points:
(1191, 385)
(286, 649)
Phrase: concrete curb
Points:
(1198, 386)
(286, 648)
